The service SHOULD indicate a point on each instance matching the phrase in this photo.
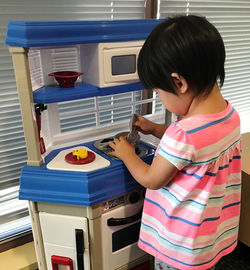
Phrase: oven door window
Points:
(123, 64)
(120, 238)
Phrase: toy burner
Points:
(72, 159)
(103, 146)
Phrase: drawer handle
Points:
(79, 248)
(56, 260)
(124, 221)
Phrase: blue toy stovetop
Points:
(37, 183)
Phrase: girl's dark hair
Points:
(188, 45)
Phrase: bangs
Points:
(151, 72)
(144, 71)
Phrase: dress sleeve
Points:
(176, 146)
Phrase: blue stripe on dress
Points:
(184, 247)
(185, 220)
(210, 173)
(161, 150)
(189, 200)
(192, 174)
(195, 202)
(146, 243)
(211, 123)
(171, 155)
(217, 157)
(231, 204)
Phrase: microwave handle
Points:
(124, 221)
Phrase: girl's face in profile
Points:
(178, 104)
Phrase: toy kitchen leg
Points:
(37, 236)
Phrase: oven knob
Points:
(134, 197)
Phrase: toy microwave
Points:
(110, 64)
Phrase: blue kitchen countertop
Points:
(37, 183)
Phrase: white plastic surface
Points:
(114, 260)
(96, 62)
(58, 233)
(59, 162)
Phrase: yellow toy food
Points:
(80, 153)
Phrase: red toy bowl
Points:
(66, 79)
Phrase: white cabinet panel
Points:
(59, 237)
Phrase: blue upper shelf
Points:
(57, 33)
(53, 93)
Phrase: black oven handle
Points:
(124, 221)
(79, 235)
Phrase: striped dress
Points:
(193, 221)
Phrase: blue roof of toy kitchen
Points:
(55, 33)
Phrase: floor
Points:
(239, 259)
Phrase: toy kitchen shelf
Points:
(42, 34)
(53, 93)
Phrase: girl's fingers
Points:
(111, 144)
(111, 153)
(115, 140)
(122, 138)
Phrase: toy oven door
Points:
(120, 233)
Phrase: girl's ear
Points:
(180, 83)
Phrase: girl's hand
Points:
(122, 148)
(144, 125)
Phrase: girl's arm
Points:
(159, 130)
(153, 176)
(148, 127)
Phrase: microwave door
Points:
(123, 64)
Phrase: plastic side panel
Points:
(44, 33)
(53, 186)
(74, 188)
(91, 64)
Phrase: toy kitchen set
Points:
(85, 211)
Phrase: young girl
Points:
(192, 204)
